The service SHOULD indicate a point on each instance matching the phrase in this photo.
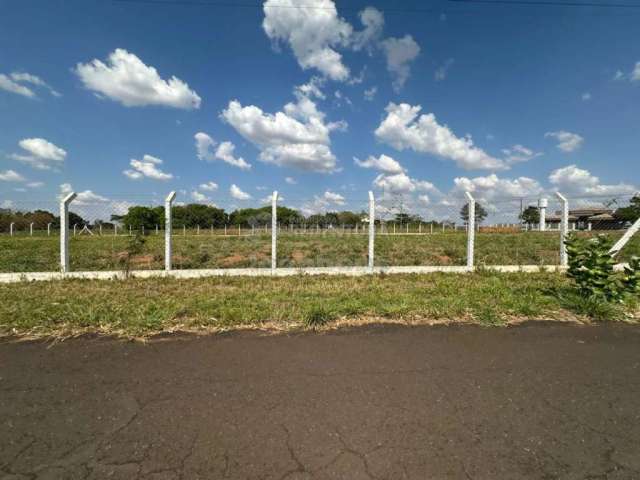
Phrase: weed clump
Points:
(598, 290)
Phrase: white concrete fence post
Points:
(564, 228)
(542, 207)
(471, 229)
(274, 230)
(64, 231)
(168, 227)
(11, 228)
(48, 229)
(372, 229)
(31, 229)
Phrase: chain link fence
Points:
(124, 233)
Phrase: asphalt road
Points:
(536, 401)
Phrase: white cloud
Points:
(11, 176)
(442, 71)
(296, 137)
(41, 154)
(204, 146)
(86, 197)
(9, 85)
(586, 96)
(401, 183)
(635, 73)
(572, 180)
(382, 163)
(632, 76)
(373, 21)
(238, 194)
(334, 198)
(14, 83)
(209, 186)
(35, 184)
(312, 33)
(312, 88)
(519, 154)
(224, 152)
(25, 77)
(492, 187)
(198, 197)
(399, 52)
(290, 180)
(147, 167)
(424, 199)
(370, 93)
(403, 129)
(567, 142)
(126, 79)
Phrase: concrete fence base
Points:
(268, 272)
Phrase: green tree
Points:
(531, 214)
(629, 213)
(481, 213)
(139, 216)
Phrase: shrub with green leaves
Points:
(591, 267)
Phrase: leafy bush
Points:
(591, 267)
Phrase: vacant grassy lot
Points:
(40, 252)
(138, 307)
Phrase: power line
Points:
(548, 3)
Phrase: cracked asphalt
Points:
(540, 401)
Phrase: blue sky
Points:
(505, 101)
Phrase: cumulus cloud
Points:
(399, 53)
(290, 180)
(11, 176)
(586, 96)
(403, 129)
(126, 79)
(491, 187)
(209, 186)
(199, 197)
(296, 137)
(373, 21)
(333, 198)
(225, 151)
(85, 197)
(40, 153)
(567, 142)
(442, 71)
(401, 183)
(147, 167)
(238, 194)
(313, 34)
(316, 34)
(572, 180)
(383, 163)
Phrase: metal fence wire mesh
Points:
(116, 233)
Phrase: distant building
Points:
(595, 218)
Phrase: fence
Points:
(99, 237)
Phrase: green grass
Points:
(40, 253)
(138, 307)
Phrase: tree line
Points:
(206, 216)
